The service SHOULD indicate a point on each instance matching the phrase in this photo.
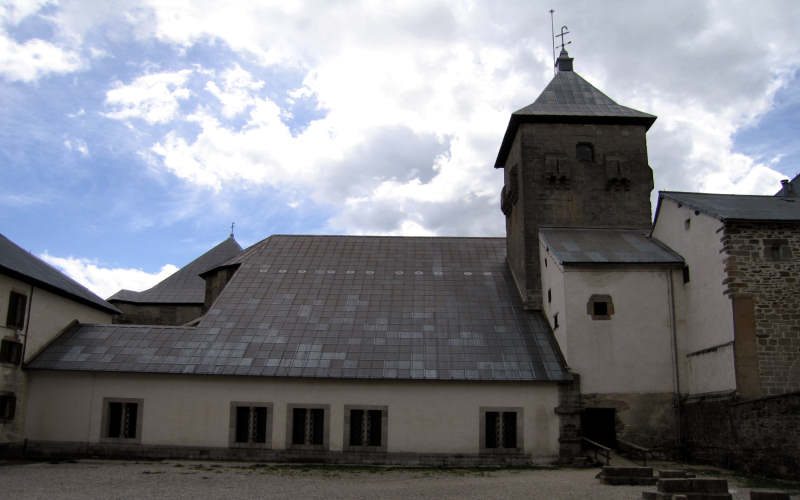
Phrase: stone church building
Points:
(590, 322)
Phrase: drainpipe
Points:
(676, 368)
(27, 326)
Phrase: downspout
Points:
(676, 368)
(27, 326)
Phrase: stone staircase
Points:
(689, 489)
(635, 475)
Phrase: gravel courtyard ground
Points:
(200, 480)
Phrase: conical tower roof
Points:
(568, 98)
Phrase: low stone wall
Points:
(760, 436)
(52, 449)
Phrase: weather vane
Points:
(564, 31)
(553, 36)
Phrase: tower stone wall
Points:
(571, 175)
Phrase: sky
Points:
(132, 134)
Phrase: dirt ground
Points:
(200, 480)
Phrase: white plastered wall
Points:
(629, 353)
(49, 313)
(553, 298)
(706, 312)
(423, 417)
(632, 351)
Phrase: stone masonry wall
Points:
(612, 189)
(760, 436)
(774, 284)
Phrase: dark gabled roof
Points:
(22, 265)
(738, 207)
(573, 246)
(343, 307)
(790, 187)
(184, 286)
(568, 98)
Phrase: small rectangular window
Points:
(600, 307)
(365, 428)
(251, 424)
(500, 431)
(122, 419)
(8, 405)
(16, 311)
(686, 276)
(777, 249)
(10, 351)
(308, 426)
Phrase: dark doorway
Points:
(599, 425)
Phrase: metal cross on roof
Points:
(564, 31)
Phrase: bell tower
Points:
(572, 158)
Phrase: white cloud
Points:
(153, 97)
(235, 94)
(452, 71)
(30, 60)
(105, 281)
(34, 58)
(78, 145)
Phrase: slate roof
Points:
(790, 188)
(184, 286)
(738, 207)
(21, 264)
(568, 98)
(343, 307)
(607, 246)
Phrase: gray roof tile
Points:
(184, 286)
(451, 314)
(22, 264)
(606, 246)
(739, 206)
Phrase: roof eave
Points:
(58, 291)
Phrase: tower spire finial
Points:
(564, 32)
(232, 224)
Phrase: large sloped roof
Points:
(343, 307)
(577, 246)
(19, 263)
(732, 207)
(184, 286)
(568, 98)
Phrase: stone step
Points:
(657, 495)
(769, 495)
(615, 471)
(674, 474)
(702, 485)
(637, 476)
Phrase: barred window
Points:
(10, 351)
(308, 426)
(500, 430)
(8, 405)
(122, 419)
(365, 428)
(251, 424)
